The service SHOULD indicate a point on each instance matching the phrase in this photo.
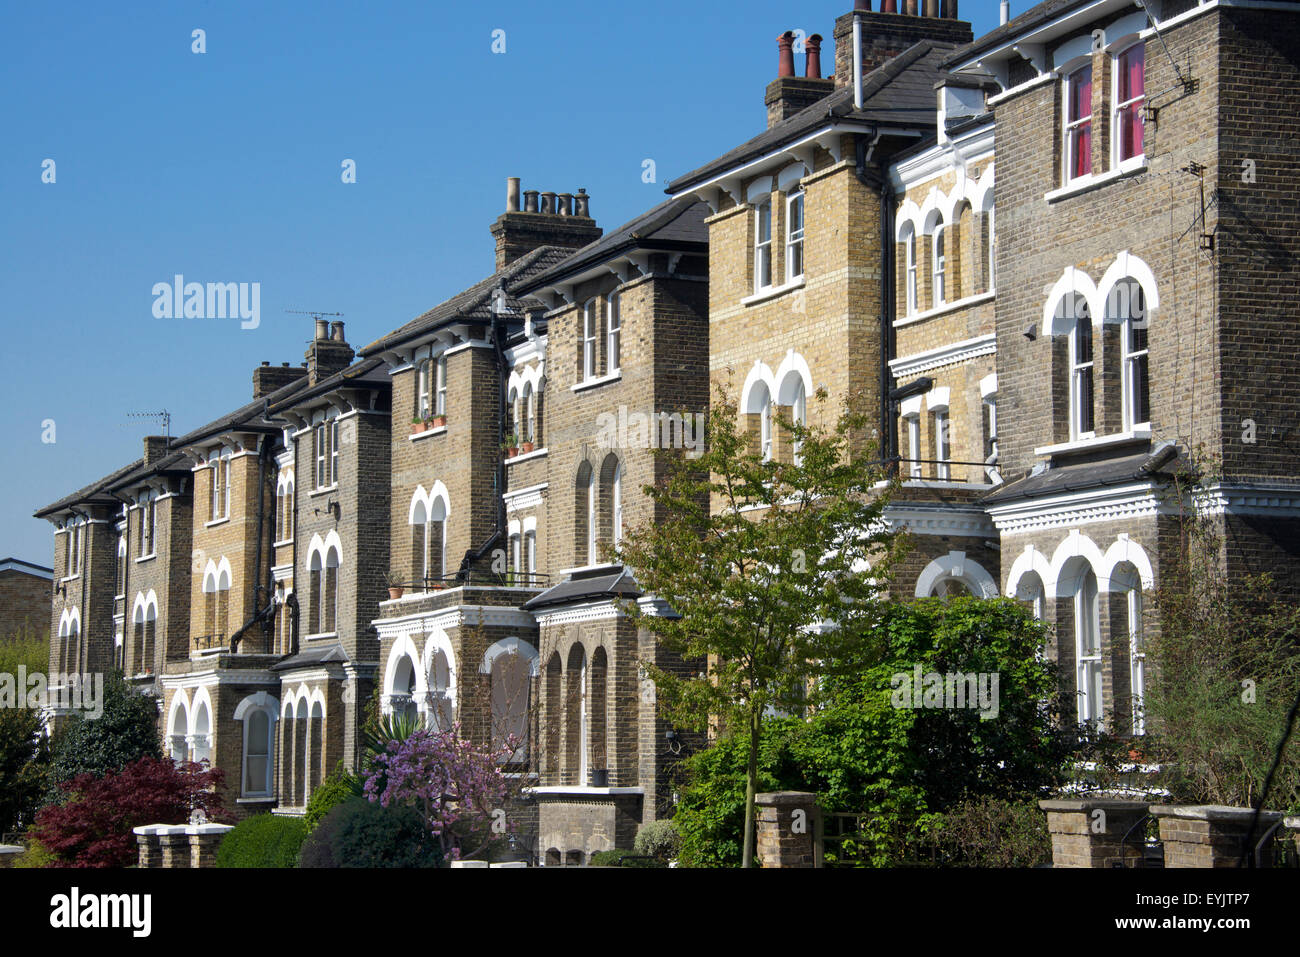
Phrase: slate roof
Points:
(95, 491)
(472, 303)
(1031, 18)
(312, 656)
(371, 372)
(590, 587)
(249, 416)
(677, 225)
(1064, 479)
(900, 92)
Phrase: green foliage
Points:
(658, 839)
(991, 832)
(622, 858)
(264, 840)
(37, 855)
(789, 546)
(333, 791)
(861, 754)
(1226, 668)
(24, 751)
(124, 733)
(358, 833)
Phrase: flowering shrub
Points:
(456, 786)
(93, 827)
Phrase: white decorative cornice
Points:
(604, 610)
(458, 616)
(945, 355)
(219, 676)
(524, 498)
(969, 521)
(1277, 501)
(1126, 502)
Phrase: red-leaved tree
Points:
(93, 828)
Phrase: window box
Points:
(439, 422)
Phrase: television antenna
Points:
(163, 417)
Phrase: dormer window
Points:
(794, 237)
(1078, 124)
(763, 245)
(1130, 71)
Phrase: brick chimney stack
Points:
(329, 352)
(268, 378)
(155, 448)
(788, 94)
(898, 25)
(562, 219)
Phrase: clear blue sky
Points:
(225, 167)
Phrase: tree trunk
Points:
(751, 787)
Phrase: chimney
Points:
(155, 448)
(1004, 11)
(898, 25)
(788, 94)
(562, 219)
(329, 352)
(268, 378)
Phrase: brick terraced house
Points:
(1054, 262)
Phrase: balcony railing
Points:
(516, 579)
(210, 642)
(940, 470)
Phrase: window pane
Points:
(1081, 94)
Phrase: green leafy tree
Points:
(24, 750)
(772, 568)
(124, 733)
(868, 750)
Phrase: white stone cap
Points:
(11, 849)
(163, 829)
(1212, 812)
(469, 863)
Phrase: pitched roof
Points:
(368, 372)
(26, 568)
(899, 92)
(95, 491)
(1033, 17)
(1146, 465)
(676, 224)
(589, 587)
(473, 303)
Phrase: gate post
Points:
(788, 829)
(1088, 832)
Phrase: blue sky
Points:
(225, 167)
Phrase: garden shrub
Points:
(989, 832)
(93, 827)
(36, 855)
(359, 833)
(333, 791)
(124, 733)
(658, 839)
(264, 840)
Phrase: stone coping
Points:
(778, 798)
(12, 849)
(1213, 812)
(1292, 822)
(1089, 804)
(162, 830)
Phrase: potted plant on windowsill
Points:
(439, 421)
(525, 447)
(395, 585)
(511, 446)
(417, 425)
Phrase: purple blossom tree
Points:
(457, 786)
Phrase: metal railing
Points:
(209, 642)
(940, 470)
(518, 579)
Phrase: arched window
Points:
(585, 515)
(1126, 584)
(616, 505)
(511, 689)
(1030, 591)
(940, 263)
(614, 328)
(1072, 314)
(258, 730)
(759, 415)
(1087, 651)
(794, 408)
(201, 734)
(329, 593)
(529, 415)
(1130, 304)
(596, 707)
(909, 269)
(554, 717)
(576, 715)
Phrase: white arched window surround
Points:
(324, 559)
(1131, 296)
(512, 664)
(178, 728)
(796, 382)
(936, 401)
(258, 714)
(430, 510)
(955, 566)
(910, 287)
(936, 227)
(616, 504)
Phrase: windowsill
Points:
(583, 789)
(216, 521)
(254, 799)
(146, 558)
(598, 380)
(321, 636)
(323, 490)
(522, 456)
(582, 569)
(1089, 181)
(282, 543)
(71, 578)
(947, 307)
(1099, 442)
(772, 292)
(436, 430)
